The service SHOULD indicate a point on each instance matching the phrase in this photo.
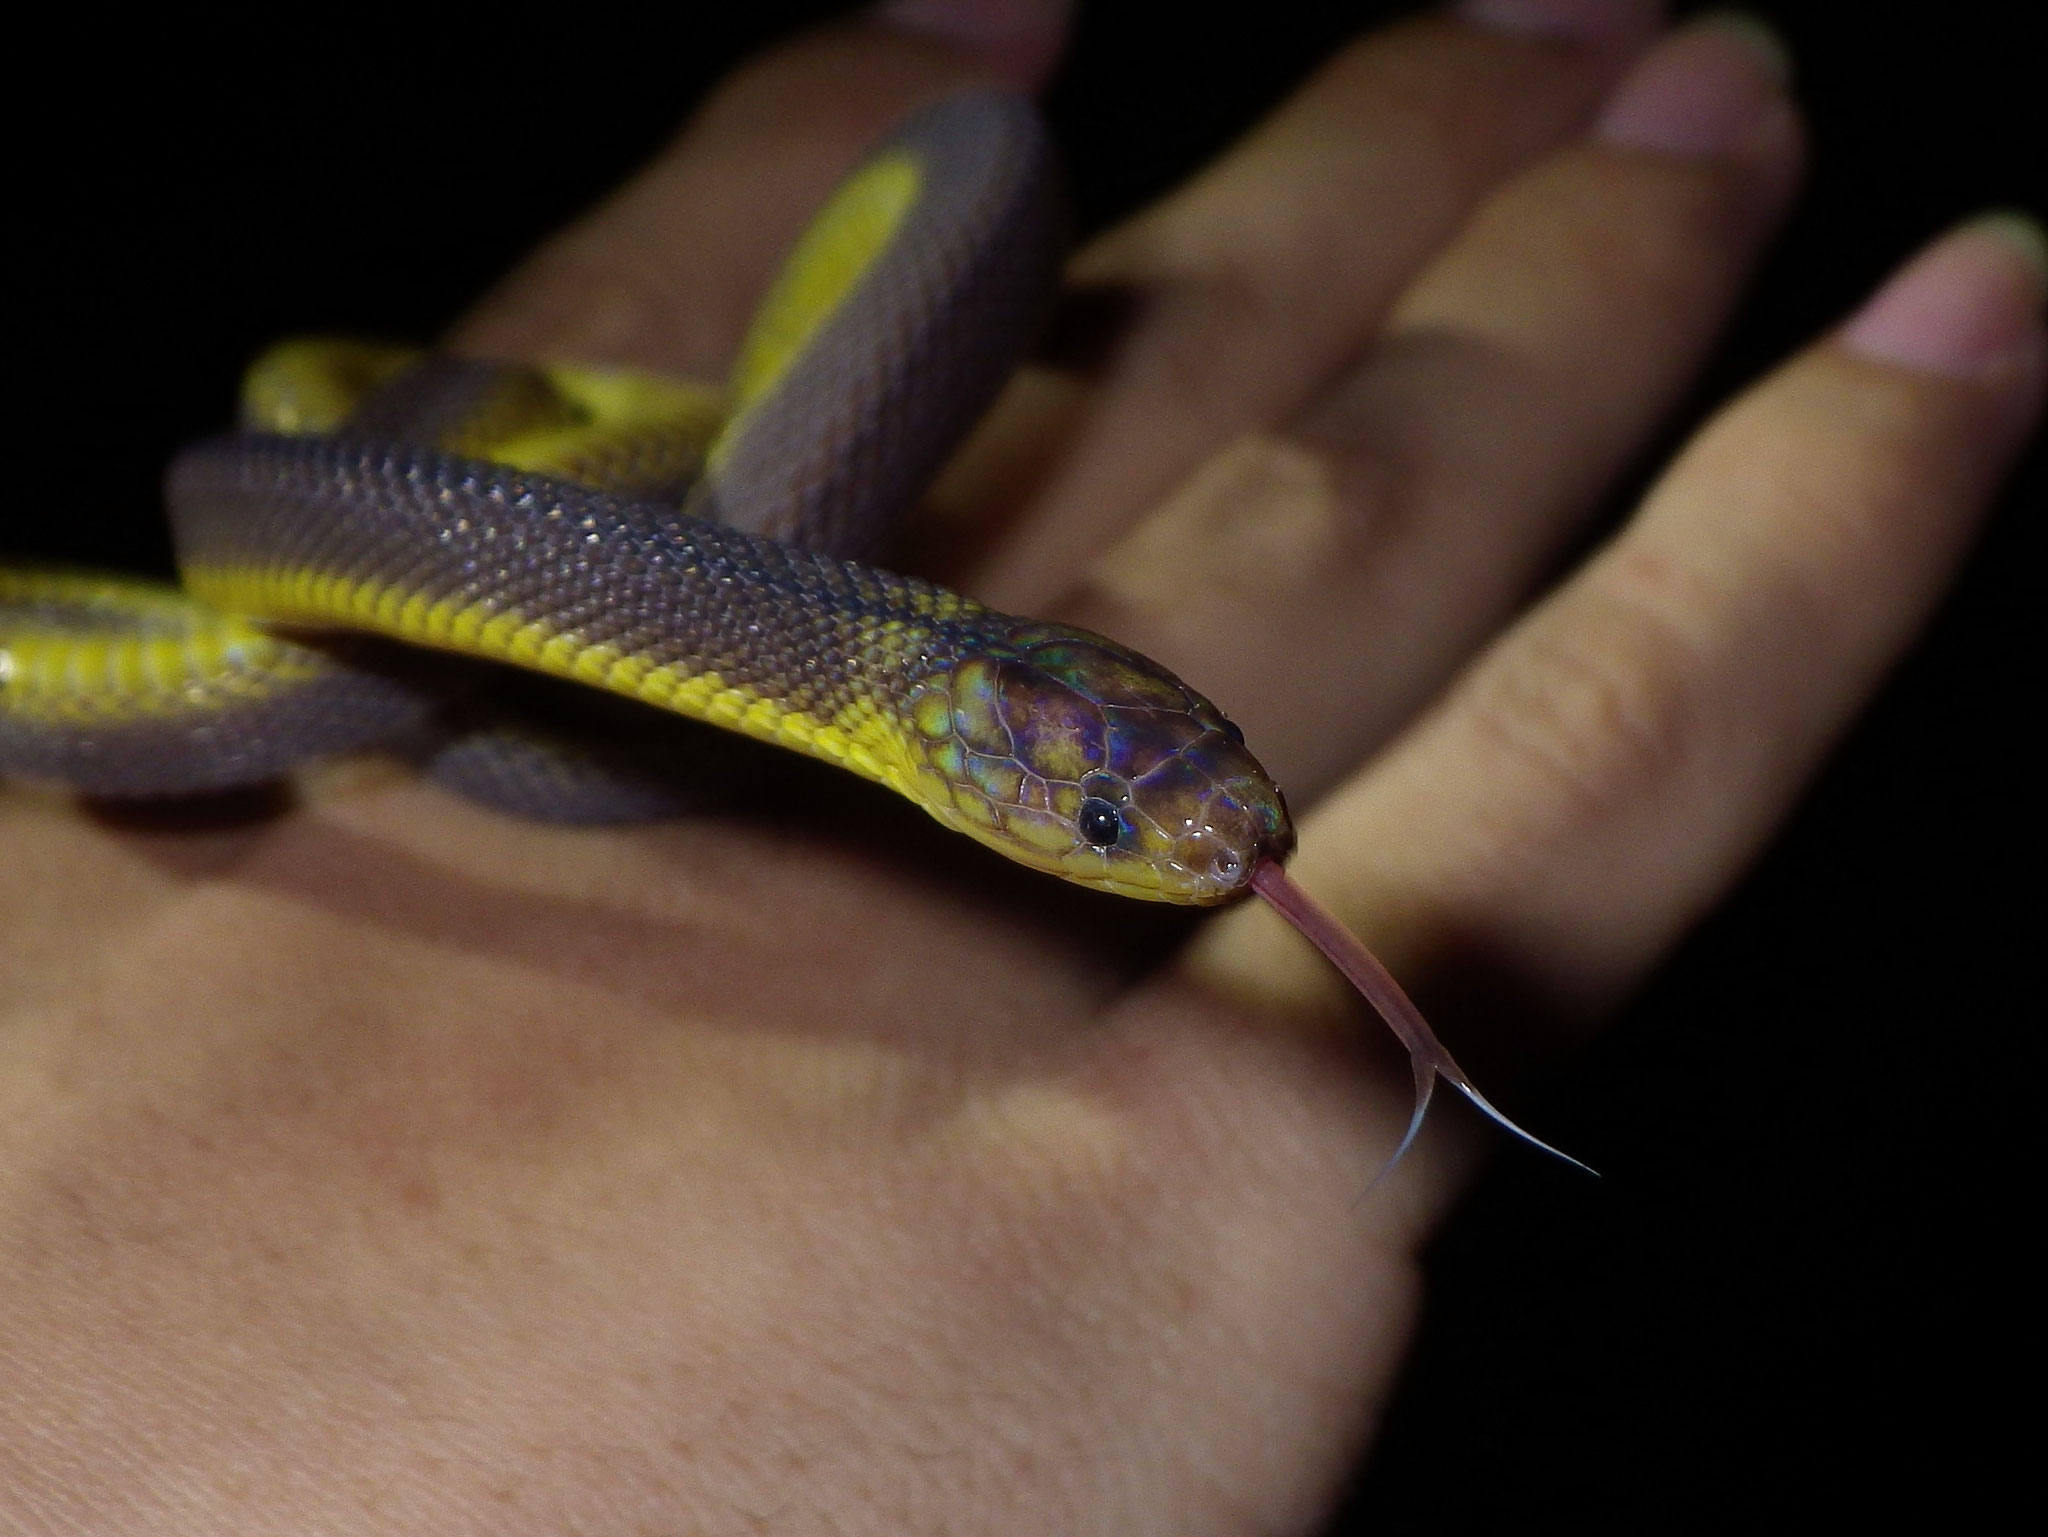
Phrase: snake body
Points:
(633, 536)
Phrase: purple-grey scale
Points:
(917, 350)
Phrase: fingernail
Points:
(1701, 90)
(1968, 305)
(1020, 37)
(1584, 21)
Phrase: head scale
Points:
(1077, 756)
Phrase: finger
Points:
(1324, 581)
(1600, 777)
(666, 272)
(1253, 283)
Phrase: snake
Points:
(699, 550)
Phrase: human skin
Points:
(388, 1165)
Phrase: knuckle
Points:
(619, 297)
(1266, 520)
(1598, 704)
(1211, 326)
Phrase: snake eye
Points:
(1230, 730)
(1099, 822)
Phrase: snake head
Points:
(1077, 756)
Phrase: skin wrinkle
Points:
(1270, 515)
(1587, 718)
(1249, 526)
(1341, 525)
(1562, 804)
(1191, 317)
(627, 301)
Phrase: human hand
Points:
(430, 1169)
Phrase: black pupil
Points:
(1099, 822)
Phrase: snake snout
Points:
(1211, 815)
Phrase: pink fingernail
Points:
(1586, 21)
(1968, 305)
(1700, 91)
(1020, 37)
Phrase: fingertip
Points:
(1577, 21)
(1020, 40)
(1707, 90)
(1970, 305)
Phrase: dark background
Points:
(1805, 1281)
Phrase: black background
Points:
(1805, 1281)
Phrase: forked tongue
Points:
(1426, 1054)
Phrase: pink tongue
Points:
(1426, 1054)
